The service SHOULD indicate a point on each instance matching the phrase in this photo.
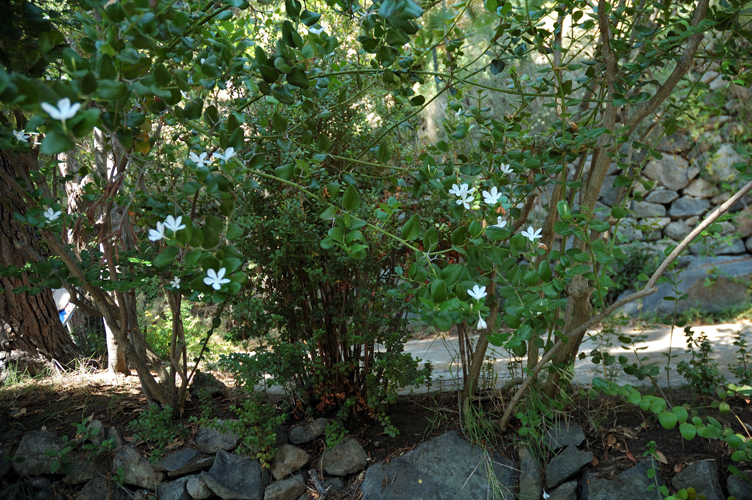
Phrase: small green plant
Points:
(86, 439)
(742, 369)
(700, 372)
(61, 462)
(257, 422)
(206, 407)
(119, 476)
(155, 427)
(334, 433)
(652, 472)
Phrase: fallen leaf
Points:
(610, 439)
(631, 457)
(62, 398)
(17, 412)
(594, 462)
(128, 439)
(661, 457)
(175, 444)
(678, 467)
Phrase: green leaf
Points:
(233, 231)
(688, 431)
(681, 413)
(389, 8)
(396, 37)
(298, 78)
(284, 171)
(411, 229)
(279, 123)
(309, 18)
(438, 291)
(351, 199)
(112, 90)
(382, 154)
(166, 256)
(55, 142)
(667, 420)
(497, 66)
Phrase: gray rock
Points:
(84, 466)
(720, 165)
(345, 458)
(703, 477)
(531, 483)
(563, 434)
(174, 490)
(663, 196)
(738, 487)
(444, 468)
(675, 143)
(566, 465)
(671, 171)
(288, 460)
(287, 489)
(96, 428)
(747, 244)
(6, 460)
(39, 482)
(728, 290)
(687, 207)
(677, 230)
(565, 491)
(723, 247)
(700, 188)
(100, 488)
(30, 458)
(184, 462)
(208, 383)
(116, 435)
(743, 222)
(334, 484)
(138, 470)
(608, 191)
(210, 440)
(302, 434)
(646, 209)
(629, 485)
(197, 488)
(233, 477)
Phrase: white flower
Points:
(20, 135)
(500, 223)
(532, 234)
(481, 324)
(64, 110)
(491, 197)
(462, 191)
(505, 169)
(316, 30)
(51, 214)
(465, 201)
(158, 233)
(229, 153)
(216, 279)
(199, 160)
(174, 224)
(175, 282)
(478, 292)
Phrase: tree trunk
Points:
(31, 333)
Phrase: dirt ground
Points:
(617, 432)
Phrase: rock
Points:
(687, 207)
(703, 477)
(608, 191)
(630, 484)
(720, 165)
(728, 290)
(184, 462)
(716, 121)
(30, 458)
(197, 488)
(566, 465)
(287, 489)
(738, 487)
(718, 84)
(100, 488)
(39, 482)
(709, 76)
(345, 458)
(700, 188)
(675, 143)
(288, 460)
(6, 460)
(743, 222)
(720, 199)
(646, 209)
(446, 467)
(734, 247)
(564, 434)
(747, 244)
(116, 435)
(677, 230)
(335, 484)
(531, 484)
(208, 383)
(663, 196)
(210, 440)
(301, 434)
(670, 171)
(96, 429)
(84, 467)
(233, 477)
(138, 470)
(566, 491)
(174, 490)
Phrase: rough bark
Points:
(31, 334)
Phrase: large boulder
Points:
(566, 465)
(233, 477)
(210, 440)
(288, 460)
(136, 468)
(672, 171)
(30, 458)
(444, 468)
(347, 457)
